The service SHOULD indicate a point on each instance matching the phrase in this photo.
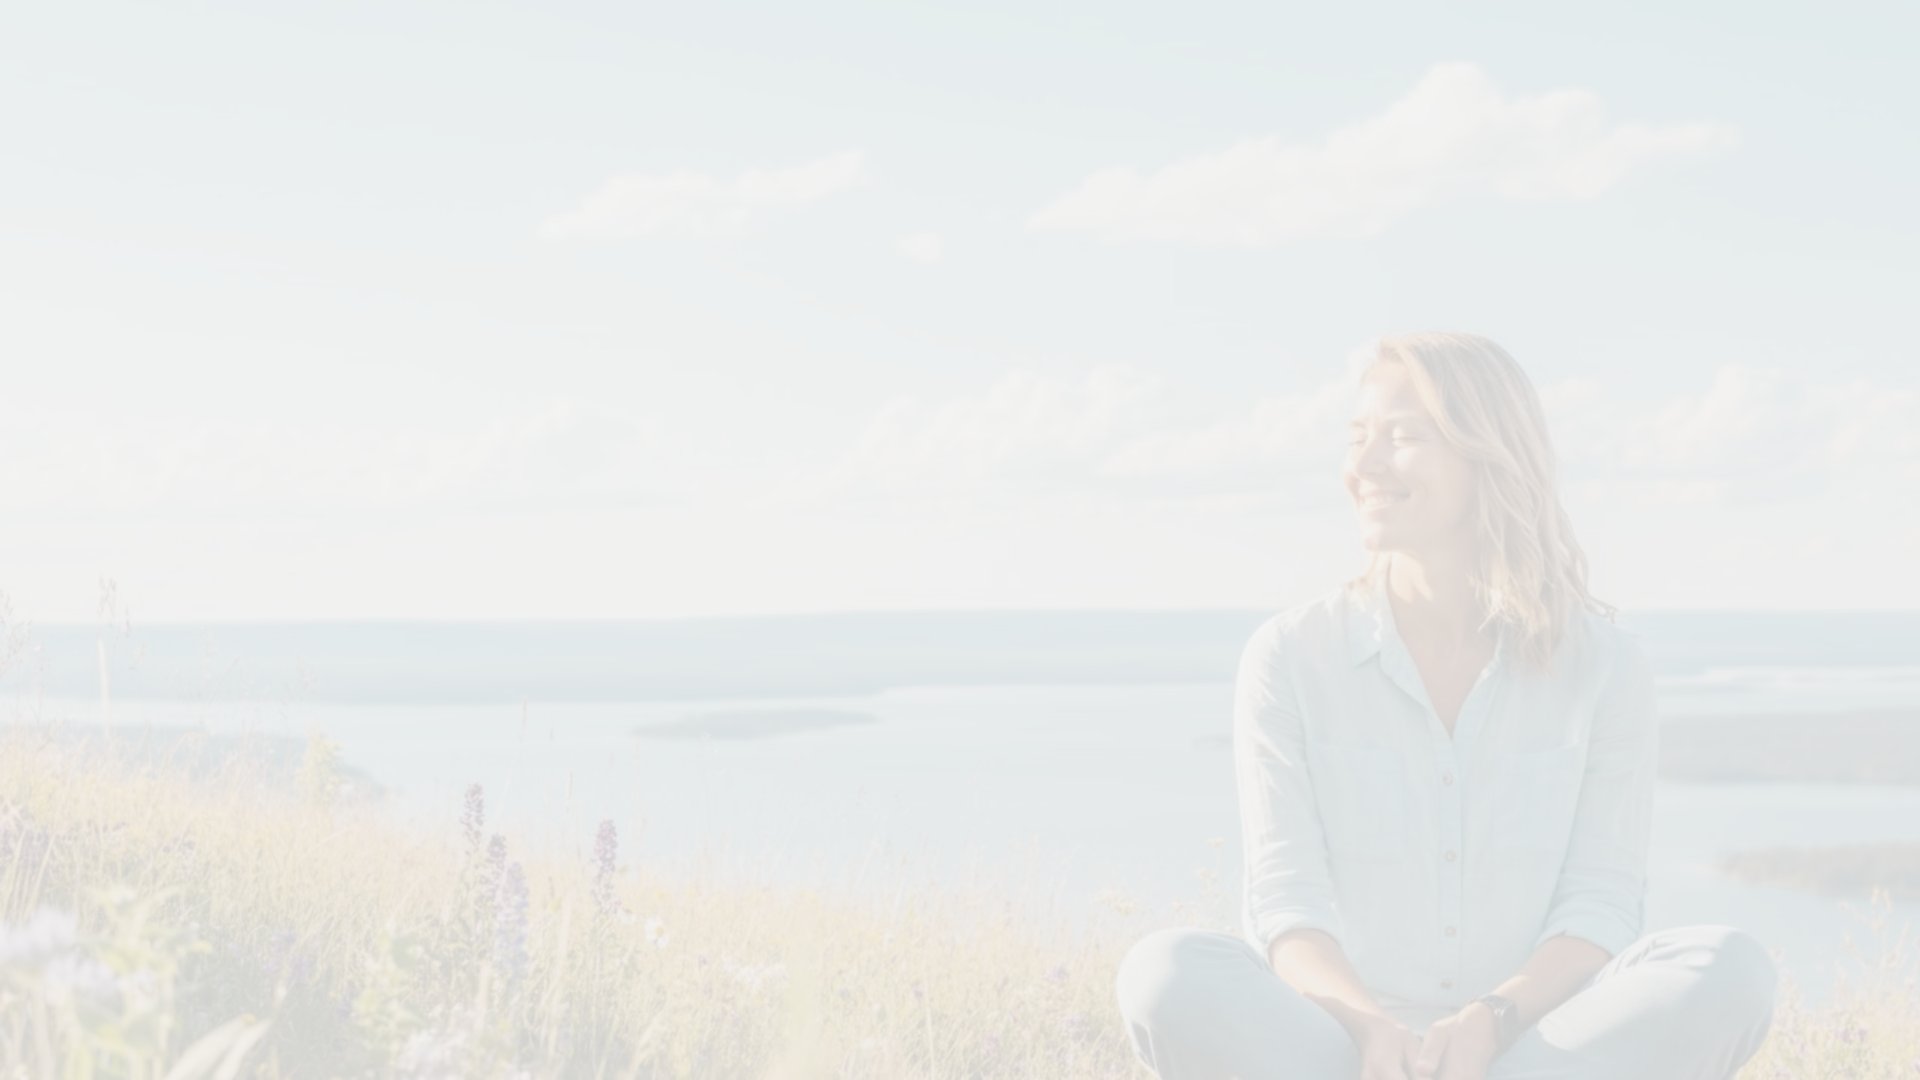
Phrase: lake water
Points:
(1063, 796)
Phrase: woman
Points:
(1445, 770)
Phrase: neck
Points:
(1435, 593)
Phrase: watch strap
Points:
(1506, 1017)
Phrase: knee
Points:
(1166, 974)
(1739, 971)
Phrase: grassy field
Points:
(252, 919)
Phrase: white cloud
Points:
(1751, 435)
(1114, 430)
(642, 204)
(1748, 436)
(923, 247)
(1276, 440)
(1455, 134)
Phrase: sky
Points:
(491, 311)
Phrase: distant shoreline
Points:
(1828, 747)
(846, 654)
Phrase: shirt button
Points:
(1451, 931)
(1449, 856)
(1447, 778)
(1446, 984)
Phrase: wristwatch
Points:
(1506, 1017)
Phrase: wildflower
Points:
(495, 865)
(41, 938)
(82, 980)
(606, 852)
(432, 1055)
(606, 848)
(758, 976)
(510, 923)
(1057, 974)
(656, 933)
(274, 959)
(474, 817)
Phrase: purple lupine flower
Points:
(473, 817)
(606, 852)
(510, 923)
(490, 870)
(274, 959)
(606, 848)
(300, 973)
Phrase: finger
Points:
(1409, 1051)
(1459, 1067)
(1427, 1061)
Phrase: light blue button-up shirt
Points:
(1439, 862)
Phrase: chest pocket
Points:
(1365, 807)
(1533, 799)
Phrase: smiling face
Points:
(1412, 491)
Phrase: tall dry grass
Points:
(249, 921)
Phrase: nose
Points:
(1367, 458)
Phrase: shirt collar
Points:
(1370, 623)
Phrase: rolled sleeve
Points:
(1283, 848)
(1601, 892)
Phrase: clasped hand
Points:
(1458, 1047)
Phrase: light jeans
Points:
(1686, 1003)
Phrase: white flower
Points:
(755, 977)
(30, 945)
(656, 932)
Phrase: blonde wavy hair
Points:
(1530, 573)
